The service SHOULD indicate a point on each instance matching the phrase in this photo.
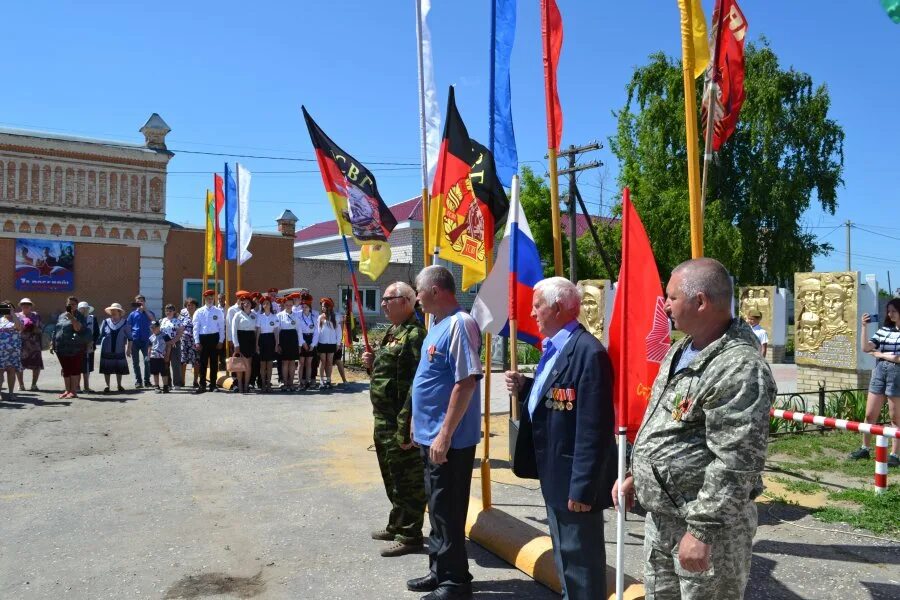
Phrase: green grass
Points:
(798, 486)
(812, 444)
(877, 512)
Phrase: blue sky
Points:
(230, 77)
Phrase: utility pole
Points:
(849, 225)
(572, 154)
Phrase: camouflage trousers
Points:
(404, 481)
(664, 577)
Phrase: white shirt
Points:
(288, 321)
(761, 334)
(209, 320)
(267, 323)
(328, 333)
(243, 322)
(232, 310)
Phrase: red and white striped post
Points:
(881, 466)
(882, 435)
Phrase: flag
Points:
(730, 29)
(430, 109)
(695, 27)
(893, 9)
(374, 259)
(552, 32)
(245, 229)
(351, 189)
(639, 327)
(218, 185)
(231, 237)
(509, 288)
(502, 136)
(210, 253)
(462, 220)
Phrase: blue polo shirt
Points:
(450, 353)
(139, 325)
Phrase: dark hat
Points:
(154, 324)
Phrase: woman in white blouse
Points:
(309, 339)
(245, 335)
(268, 346)
(329, 334)
(288, 344)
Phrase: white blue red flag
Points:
(509, 287)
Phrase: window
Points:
(193, 288)
(369, 296)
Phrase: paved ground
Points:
(142, 495)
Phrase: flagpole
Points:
(712, 86)
(205, 243)
(237, 214)
(486, 446)
(622, 296)
(423, 131)
(362, 317)
(690, 124)
(513, 299)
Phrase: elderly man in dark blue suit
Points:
(566, 436)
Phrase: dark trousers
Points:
(209, 358)
(175, 363)
(447, 487)
(138, 348)
(579, 552)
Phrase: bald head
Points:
(707, 276)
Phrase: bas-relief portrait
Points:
(760, 298)
(593, 305)
(825, 319)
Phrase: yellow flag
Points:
(695, 28)
(374, 259)
(210, 253)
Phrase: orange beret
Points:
(209, 293)
(327, 302)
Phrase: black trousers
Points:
(579, 552)
(209, 358)
(447, 487)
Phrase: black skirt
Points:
(246, 340)
(267, 346)
(290, 346)
(308, 339)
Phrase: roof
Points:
(287, 215)
(409, 210)
(581, 223)
(155, 122)
(74, 138)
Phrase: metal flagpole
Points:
(513, 301)
(205, 244)
(362, 317)
(486, 446)
(237, 213)
(426, 233)
(690, 125)
(622, 296)
(711, 87)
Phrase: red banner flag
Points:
(552, 32)
(639, 328)
(730, 31)
(219, 186)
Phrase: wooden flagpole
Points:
(711, 89)
(362, 317)
(690, 124)
(486, 443)
(205, 244)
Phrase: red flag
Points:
(552, 31)
(730, 31)
(220, 202)
(639, 328)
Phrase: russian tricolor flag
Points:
(509, 287)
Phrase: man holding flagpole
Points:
(700, 451)
(566, 432)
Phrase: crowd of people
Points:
(259, 337)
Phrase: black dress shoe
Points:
(455, 592)
(429, 583)
(199, 390)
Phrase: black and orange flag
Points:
(352, 191)
(468, 203)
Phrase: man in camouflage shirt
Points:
(701, 448)
(393, 367)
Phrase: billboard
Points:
(45, 266)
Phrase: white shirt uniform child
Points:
(243, 322)
(209, 320)
(267, 323)
(328, 332)
(307, 324)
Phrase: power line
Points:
(890, 237)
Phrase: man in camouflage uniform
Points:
(393, 366)
(701, 448)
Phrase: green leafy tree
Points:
(785, 154)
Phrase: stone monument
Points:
(771, 302)
(596, 307)
(827, 312)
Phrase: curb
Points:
(528, 548)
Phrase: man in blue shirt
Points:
(566, 436)
(137, 327)
(447, 426)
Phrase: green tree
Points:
(785, 153)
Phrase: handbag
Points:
(237, 364)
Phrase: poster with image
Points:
(45, 266)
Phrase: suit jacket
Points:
(572, 452)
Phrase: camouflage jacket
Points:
(702, 445)
(392, 375)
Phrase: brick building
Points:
(108, 198)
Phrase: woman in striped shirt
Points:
(885, 384)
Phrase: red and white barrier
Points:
(881, 466)
(881, 432)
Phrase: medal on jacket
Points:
(680, 406)
(570, 398)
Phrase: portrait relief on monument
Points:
(825, 323)
(593, 306)
(761, 298)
